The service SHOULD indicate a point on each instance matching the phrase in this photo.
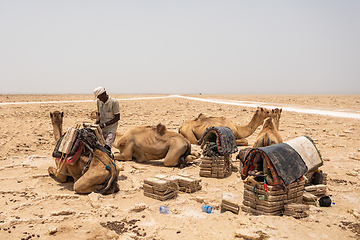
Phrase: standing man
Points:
(109, 115)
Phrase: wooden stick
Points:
(62, 162)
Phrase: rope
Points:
(317, 204)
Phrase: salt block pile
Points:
(97, 131)
(217, 167)
(188, 183)
(313, 193)
(258, 201)
(230, 202)
(163, 187)
(315, 187)
(296, 210)
(159, 189)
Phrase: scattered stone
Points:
(138, 207)
(250, 234)
(52, 230)
(62, 213)
(355, 213)
(352, 173)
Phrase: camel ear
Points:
(62, 114)
(51, 114)
(161, 129)
(280, 110)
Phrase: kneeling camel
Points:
(91, 171)
(194, 129)
(269, 133)
(145, 143)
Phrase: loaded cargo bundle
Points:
(274, 175)
(218, 144)
(260, 199)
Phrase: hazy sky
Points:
(185, 46)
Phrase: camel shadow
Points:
(68, 185)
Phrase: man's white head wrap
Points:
(98, 91)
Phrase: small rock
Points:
(355, 213)
(250, 234)
(353, 174)
(52, 230)
(138, 207)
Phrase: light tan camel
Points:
(145, 143)
(99, 174)
(269, 133)
(57, 123)
(193, 129)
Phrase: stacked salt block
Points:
(296, 210)
(68, 140)
(187, 183)
(230, 202)
(259, 202)
(215, 167)
(163, 187)
(160, 188)
(313, 193)
(96, 130)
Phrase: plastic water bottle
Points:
(206, 208)
(164, 210)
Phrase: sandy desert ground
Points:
(35, 206)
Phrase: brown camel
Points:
(269, 133)
(145, 143)
(96, 172)
(193, 129)
(94, 115)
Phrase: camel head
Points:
(57, 117)
(261, 114)
(57, 122)
(276, 114)
(94, 115)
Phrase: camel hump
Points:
(201, 115)
(161, 129)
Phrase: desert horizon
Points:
(36, 205)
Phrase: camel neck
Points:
(248, 129)
(57, 132)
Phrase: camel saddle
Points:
(287, 161)
(219, 140)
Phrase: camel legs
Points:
(59, 176)
(176, 150)
(126, 154)
(241, 142)
(92, 180)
